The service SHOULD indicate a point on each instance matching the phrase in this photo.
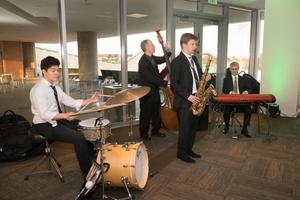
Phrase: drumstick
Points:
(99, 94)
(84, 106)
(106, 95)
(102, 95)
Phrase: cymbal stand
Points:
(96, 171)
(102, 158)
(130, 133)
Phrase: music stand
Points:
(269, 137)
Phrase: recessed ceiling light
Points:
(137, 15)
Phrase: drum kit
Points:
(119, 165)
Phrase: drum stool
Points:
(48, 157)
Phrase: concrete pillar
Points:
(280, 68)
(29, 58)
(87, 55)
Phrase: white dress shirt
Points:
(43, 103)
(237, 83)
(195, 87)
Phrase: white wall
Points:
(281, 59)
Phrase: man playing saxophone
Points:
(185, 78)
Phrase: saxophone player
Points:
(185, 77)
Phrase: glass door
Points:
(207, 33)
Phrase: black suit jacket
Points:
(149, 76)
(182, 80)
(228, 85)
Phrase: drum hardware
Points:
(92, 178)
(94, 129)
(125, 145)
(125, 182)
(113, 172)
(115, 166)
(125, 97)
(130, 132)
(124, 179)
(125, 166)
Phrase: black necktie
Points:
(194, 72)
(56, 98)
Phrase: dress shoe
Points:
(159, 134)
(186, 159)
(194, 155)
(245, 133)
(145, 137)
(226, 129)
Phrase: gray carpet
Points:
(229, 169)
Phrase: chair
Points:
(234, 122)
(48, 157)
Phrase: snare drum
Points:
(90, 129)
(126, 160)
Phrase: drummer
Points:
(49, 121)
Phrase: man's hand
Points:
(93, 99)
(193, 99)
(245, 92)
(167, 48)
(68, 116)
(208, 77)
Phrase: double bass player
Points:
(150, 104)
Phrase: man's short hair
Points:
(48, 62)
(186, 37)
(236, 64)
(144, 45)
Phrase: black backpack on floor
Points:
(14, 140)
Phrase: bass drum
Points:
(126, 160)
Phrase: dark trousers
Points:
(150, 112)
(66, 132)
(188, 124)
(246, 109)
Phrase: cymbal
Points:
(97, 108)
(128, 95)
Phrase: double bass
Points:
(167, 114)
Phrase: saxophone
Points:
(203, 94)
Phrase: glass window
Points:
(186, 5)
(260, 50)
(148, 20)
(142, 22)
(26, 24)
(239, 38)
(94, 51)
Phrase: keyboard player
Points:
(233, 83)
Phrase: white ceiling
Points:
(36, 20)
